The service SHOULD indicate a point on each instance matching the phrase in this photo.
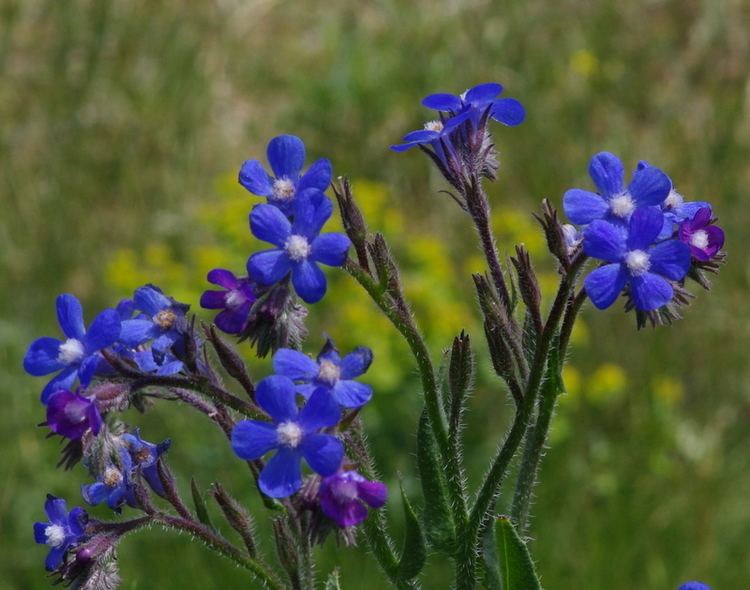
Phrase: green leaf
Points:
(200, 505)
(508, 565)
(414, 553)
(439, 526)
(333, 582)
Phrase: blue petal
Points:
(670, 259)
(604, 284)
(117, 497)
(171, 368)
(150, 301)
(252, 439)
(269, 266)
(607, 172)
(403, 147)
(282, 475)
(135, 332)
(275, 394)
(77, 521)
(688, 209)
(311, 212)
(482, 93)
(55, 557)
(356, 362)
(306, 389)
(667, 230)
(56, 509)
(309, 281)
(255, 179)
(88, 368)
(40, 535)
(41, 357)
(104, 331)
(70, 316)
(125, 309)
(351, 394)
(330, 249)
(442, 102)
(94, 493)
(295, 365)
(320, 411)
(323, 453)
(63, 380)
(269, 224)
(604, 241)
(421, 136)
(508, 111)
(318, 176)
(645, 226)
(650, 186)
(286, 154)
(650, 291)
(223, 277)
(583, 207)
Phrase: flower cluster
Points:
(259, 306)
(308, 431)
(648, 237)
(458, 141)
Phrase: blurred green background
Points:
(122, 127)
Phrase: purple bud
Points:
(345, 496)
(71, 415)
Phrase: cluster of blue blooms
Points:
(646, 234)
(295, 433)
(150, 335)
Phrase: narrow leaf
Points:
(508, 564)
(200, 505)
(439, 526)
(414, 553)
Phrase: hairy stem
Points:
(221, 546)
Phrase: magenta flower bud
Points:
(71, 415)
(345, 496)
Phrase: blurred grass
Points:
(123, 123)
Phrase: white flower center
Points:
(112, 477)
(235, 299)
(329, 372)
(345, 491)
(638, 262)
(165, 319)
(621, 205)
(71, 351)
(283, 189)
(436, 126)
(55, 535)
(297, 247)
(699, 239)
(289, 434)
(673, 200)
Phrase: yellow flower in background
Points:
(668, 390)
(584, 63)
(606, 384)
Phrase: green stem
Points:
(529, 469)
(221, 546)
(490, 487)
(404, 323)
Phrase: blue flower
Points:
(63, 531)
(648, 187)
(694, 586)
(330, 373)
(286, 155)
(164, 320)
(436, 134)
(299, 248)
(235, 302)
(77, 357)
(159, 362)
(476, 101)
(294, 434)
(145, 455)
(634, 260)
(113, 485)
